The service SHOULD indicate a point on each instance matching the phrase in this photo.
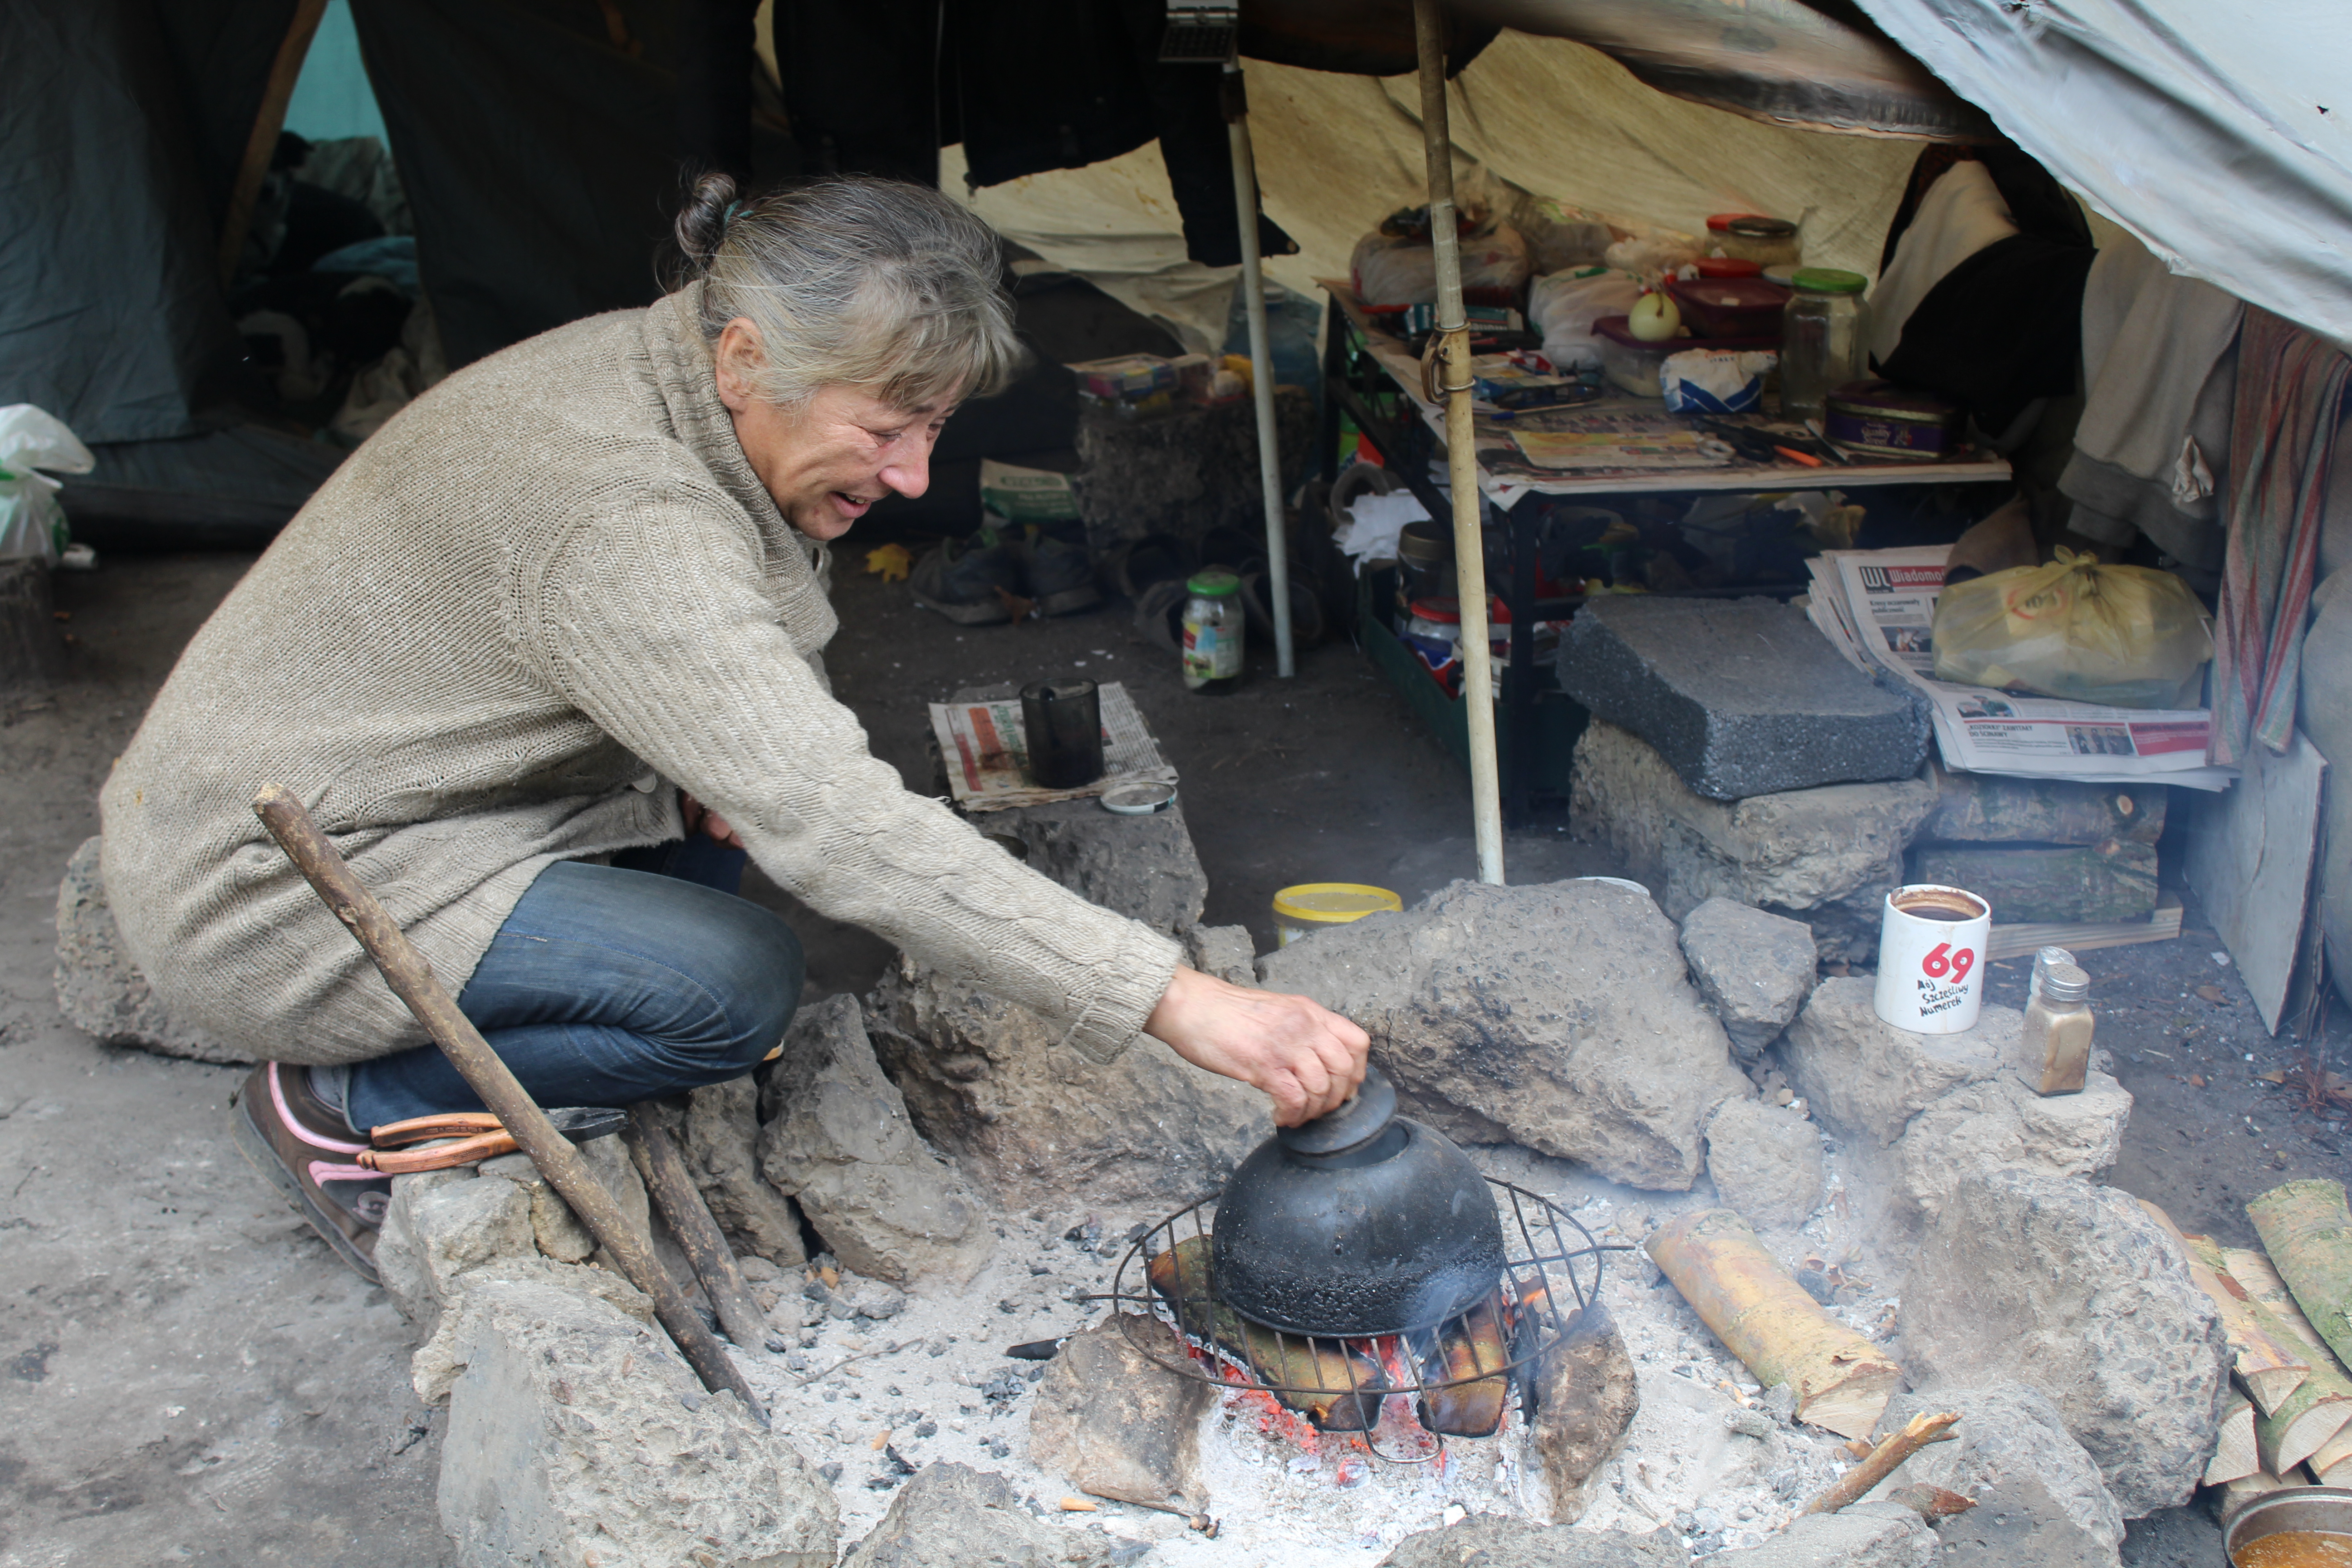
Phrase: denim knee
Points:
(759, 968)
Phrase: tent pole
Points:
(1461, 452)
(276, 91)
(1269, 455)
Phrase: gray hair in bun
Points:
(881, 285)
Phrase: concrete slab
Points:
(1743, 697)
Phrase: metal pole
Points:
(1461, 450)
(1269, 455)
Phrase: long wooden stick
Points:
(690, 1220)
(261, 141)
(1855, 1485)
(412, 981)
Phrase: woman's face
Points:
(828, 460)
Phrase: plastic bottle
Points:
(2058, 1028)
(1825, 339)
(1212, 632)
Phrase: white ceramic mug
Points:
(1931, 958)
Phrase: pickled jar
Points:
(1767, 241)
(1824, 339)
(1212, 632)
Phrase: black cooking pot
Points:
(1359, 1222)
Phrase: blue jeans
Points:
(609, 985)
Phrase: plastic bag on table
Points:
(32, 524)
(1715, 381)
(2123, 637)
(1389, 270)
(1563, 306)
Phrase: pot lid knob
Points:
(1362, 1116)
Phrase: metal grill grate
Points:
(1411, 1388)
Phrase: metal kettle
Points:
(1359, 1222)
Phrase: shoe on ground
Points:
(300, 1145)
(1307, 624)
(962, 580)
(1154, 557)
(1061, 577)
(1160, 616)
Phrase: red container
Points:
(1730, 307)
(1729, 267)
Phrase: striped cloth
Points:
(2291, 390)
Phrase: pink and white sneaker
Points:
(297, 1141)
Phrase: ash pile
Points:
(1800, 1289)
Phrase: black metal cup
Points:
(1063, 719)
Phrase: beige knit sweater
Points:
(548, 590)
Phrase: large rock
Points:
(1866, 1079)
(446, 1233)
(1225, 951)
(1866, 1535)
(578, 1435)
(1743, 697)
(2072, 1289)
(719, 1142)
(2039, 1496)
(1495, 1541)
(1560, 1012)
(1143, 867)
(1116, 1424)
(1826, 856)
(100, 991)
(987, 1081)
(1755, 969)
(1586, 1399)
(839, 1139)
(558, 1232)
(951, 1516)
(1984, 1127)
(1765, 1162)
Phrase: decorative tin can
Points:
(1880, 419)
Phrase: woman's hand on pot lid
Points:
(1306, 1058)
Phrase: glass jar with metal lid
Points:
(1212, 632)
(1767, 241)
(1825, 339)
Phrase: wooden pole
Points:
(1269, 450)
(690, 1220)
(1460, 444)
(268, 122)
(412, 981)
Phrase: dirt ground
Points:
(190, 1378)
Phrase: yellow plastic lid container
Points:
(1312, 906)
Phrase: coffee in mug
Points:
(1931, 951)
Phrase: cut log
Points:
(1841, 1380)
(2306, 1228)
(2237, 1454)
(1985, 808)
(2331, 1460)
(2249, 1266)
(2237, 1494)
(2313, 1413)
(2271, 1370)
(2028, 883)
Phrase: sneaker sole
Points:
(966, 614)
(254, 1145)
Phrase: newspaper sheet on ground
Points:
(1878, 608)
(986, 751)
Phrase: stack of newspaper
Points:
(1878, 608)
(986, 750)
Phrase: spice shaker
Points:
(2058, 1026)
(2043, 960)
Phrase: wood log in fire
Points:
(1471, 1344)
(1841, 1379)
(1336, 1388)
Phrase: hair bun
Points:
(703, 220)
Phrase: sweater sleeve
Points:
(654, 623)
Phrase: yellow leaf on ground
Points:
(890, 562)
